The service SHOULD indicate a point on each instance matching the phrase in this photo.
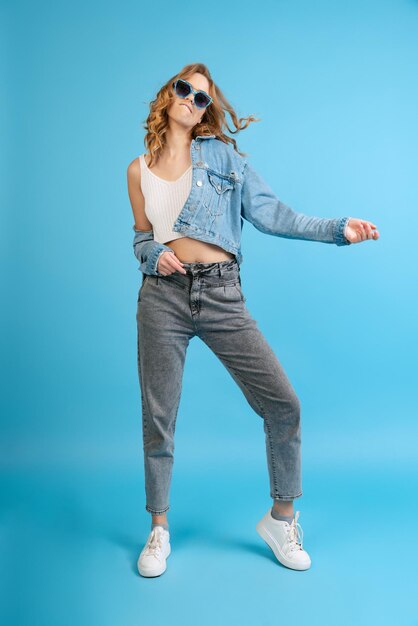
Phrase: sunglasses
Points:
(183, 89)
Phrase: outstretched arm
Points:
(261, 207)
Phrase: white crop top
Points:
(164, 200)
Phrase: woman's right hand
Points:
(168, 263)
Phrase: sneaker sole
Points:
(274, 546)
(154, 572)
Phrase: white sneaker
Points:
(152, 560)
(285, 540)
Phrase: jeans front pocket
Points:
(171, 280)
(238, 288)
(145, 282)
(232, 291)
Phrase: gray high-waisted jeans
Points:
(208, 302)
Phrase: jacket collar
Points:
(205, 136)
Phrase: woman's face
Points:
(183, 111)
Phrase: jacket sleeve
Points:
(261, 207)
(148, 251)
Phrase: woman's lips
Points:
(182, 104)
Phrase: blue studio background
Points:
(335, 85)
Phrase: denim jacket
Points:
(225, 189)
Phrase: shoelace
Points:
(155, 542)
(295, 533)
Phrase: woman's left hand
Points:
(359, 230)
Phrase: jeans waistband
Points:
(218, 268)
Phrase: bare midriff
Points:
(189, 250)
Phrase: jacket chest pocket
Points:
(217, 194)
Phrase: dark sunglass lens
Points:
(201, 100)
(182, 89)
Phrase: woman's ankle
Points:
(284, 507)
(159, 520)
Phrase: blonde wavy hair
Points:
(213, 121)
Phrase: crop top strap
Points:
(142, 163)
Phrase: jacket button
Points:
(199, 163)
(199, 183)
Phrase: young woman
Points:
(189, 193)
